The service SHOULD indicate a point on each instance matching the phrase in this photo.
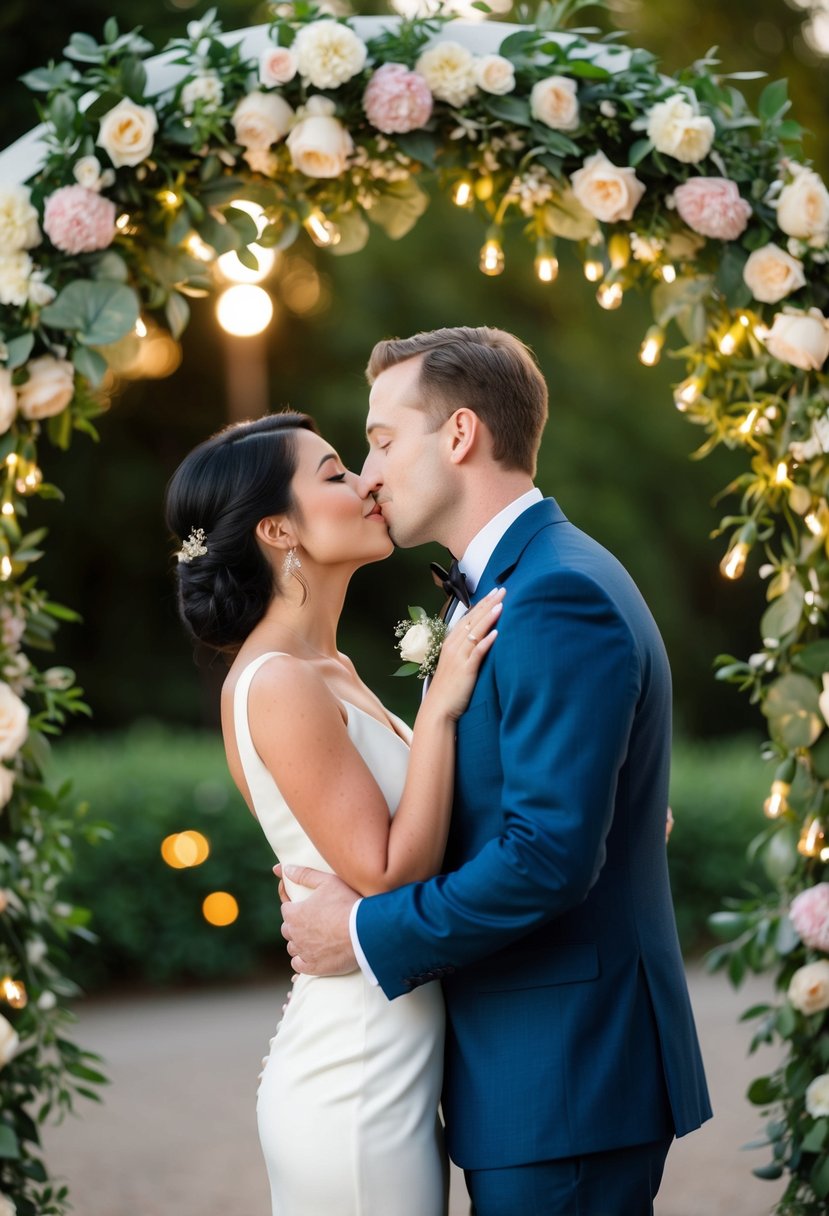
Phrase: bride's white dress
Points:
(347, 1104)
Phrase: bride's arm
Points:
(299, 730)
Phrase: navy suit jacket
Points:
(569, 1025)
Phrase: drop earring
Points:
(291, 563)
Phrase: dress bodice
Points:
(385, 752)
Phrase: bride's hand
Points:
(461, 655)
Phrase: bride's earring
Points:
(291, 563)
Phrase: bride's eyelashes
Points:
(338, 477)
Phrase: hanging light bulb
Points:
(777, 803)
(169, 198)
(733, 564)
(546, 262)
(731, 338)
(812, 837)
(14, 992)
(6, 567)
(667, 273)
(593, 270)
(813, 523)
(321, 230)
(688, 393)
(491, 261)
(650, 352)
(610, 295)
(462, 194)
(781, 473)
(618, 250)
(747, 425)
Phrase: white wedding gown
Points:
(347, 1105)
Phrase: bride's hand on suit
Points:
(464, 649)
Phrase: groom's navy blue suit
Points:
(569, 1026)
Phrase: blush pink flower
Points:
(713, 207)
(397, 100)
(78, 220)
(809, 914)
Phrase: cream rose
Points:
(675, 128)
(262, 119)
(127, 132)
(49, 389)
(18, 220)
(7, 1206)
(8, 400)
(803, 206)
(14, 722)
(770, 273)
(328, 53)
(449, 70)
(9, 1042)
(319, 143)
(817, 1096)
(87, 172)
(6, 784)
(799, 338)
(15, 276)
(494, 74)
(277, 65)
(809, 987)
(555, 102)
(415, 643)
(607, 191)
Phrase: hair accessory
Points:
(291, 563)
(193, 546)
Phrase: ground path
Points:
(177, 1134)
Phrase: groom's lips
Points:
(375, 511)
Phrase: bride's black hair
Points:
(224, 487)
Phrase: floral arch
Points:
(111, 212)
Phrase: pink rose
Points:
(713, 207)
(78, 220)
(809, 914)
(397, 100)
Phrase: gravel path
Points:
(176, 1135)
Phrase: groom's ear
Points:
(465, 433)
(275, 532)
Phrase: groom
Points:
(571, 1055)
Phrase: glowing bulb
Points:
(781, 473)
(199, 248)
(748, 422)
(32, 480)
(777, 802)
(237, 272)
(6, 567)
(169, 198)
(812, 522)
(12, 459)
(734, 563)
(618, 250)
(688, 393)
(610, 295)
(668, 273)
(593, 270)
(462, 193)
(492, 257)
(322, 231)
(728, 344)
(123, 222)
(650, 351)
(745, 321)
(546, 268)
(220, 908)
(811, 838)
(7, 508)
(244, 310)
(14, 992)
(140, 329)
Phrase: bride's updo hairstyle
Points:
(222, 489)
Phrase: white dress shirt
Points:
(473, 563)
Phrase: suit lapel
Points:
(515, 540)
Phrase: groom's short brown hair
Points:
(488, 370)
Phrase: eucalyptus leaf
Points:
(420, 146)
(399, 207)
(813, 658)
(784, 613)
(9, 1144)
(815, 1138)
(791, 706)
(19, 349)
(177, 311)
(90, 364)
(97, 312)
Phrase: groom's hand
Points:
(317, 928)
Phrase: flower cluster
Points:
(421, 638)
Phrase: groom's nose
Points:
(370, 477)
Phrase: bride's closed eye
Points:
(338, 477)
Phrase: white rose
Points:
(607, 191)
(40, 292)
(328, 54)
(49, 389)
(262, 119)
(277, 65)
(319, 143)
(7, 1206)
(15, 273)
(8, 400)
(126, 133)
(771, 273)
(817, 1096)
(555, 102)
(206, 87)
(6, 785)
(799, 338)
(809, 987)
(416, 643)
(675, 128)
(47, 1000)
(18, 220)
(449, 70)
(803, 206)
(9, 1042)
(87, 172)
(14, 722)
(494, 74)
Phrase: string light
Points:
(491, 261)
(169, 198)
(811, 838)
(747, 425)
(198, 248)
(546, 262)
(729, 341)
(688, 393)
(667, 273)
(123, 222)
(593, 270)
(14, 992)
(610, 295)
(6, 567)
(777, 803)
(618, 250)
(12, 459)
(733, 564)
(650, 352)
(244, 310)
(813, 521)
(140, 329)
(321, 230)
(462, 194)
(781, 473)
(220, 908)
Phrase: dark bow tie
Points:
(453, 581)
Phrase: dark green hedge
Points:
(152, 781)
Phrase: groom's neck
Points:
(482, 499)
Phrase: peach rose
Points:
(127, 132)
(803, 206)
(770, 273)
(277, 65)
(799, 338)
(495, 74)
(8, 400)
(319, 143)
(261, 119)
(49, 389)
(809, 988)
(607, 191)
(555, 102)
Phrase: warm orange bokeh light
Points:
(184, 849)
(220, 908)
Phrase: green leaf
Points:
(84, 49)
(19, 349)
(9, 1144)
(133, 77)
(416, 613)
(354, 232)
(819, 1176)
(420, 146)
(728, 925)
(768, 1172)
(587, 70)
(407, 669)
(774, 100)
(97, 312)
(509, 109)
(813, 658)
(638, 151)
(763, 1091)
(815, 1138)
(791, 706)
(785, 612)
(399, 207)
(177, 312)
(90, 364)
(62, 113)
(786, 1021)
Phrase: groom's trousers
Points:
(621, 1182)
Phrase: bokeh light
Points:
(220, 908)
(244, 310)
(184, 849)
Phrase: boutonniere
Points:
(421, 638)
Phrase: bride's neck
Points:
(310, 616)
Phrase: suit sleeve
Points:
(568, 679)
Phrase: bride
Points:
(272, 527)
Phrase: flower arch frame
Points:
(111, 211)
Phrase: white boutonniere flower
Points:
(421, 638)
